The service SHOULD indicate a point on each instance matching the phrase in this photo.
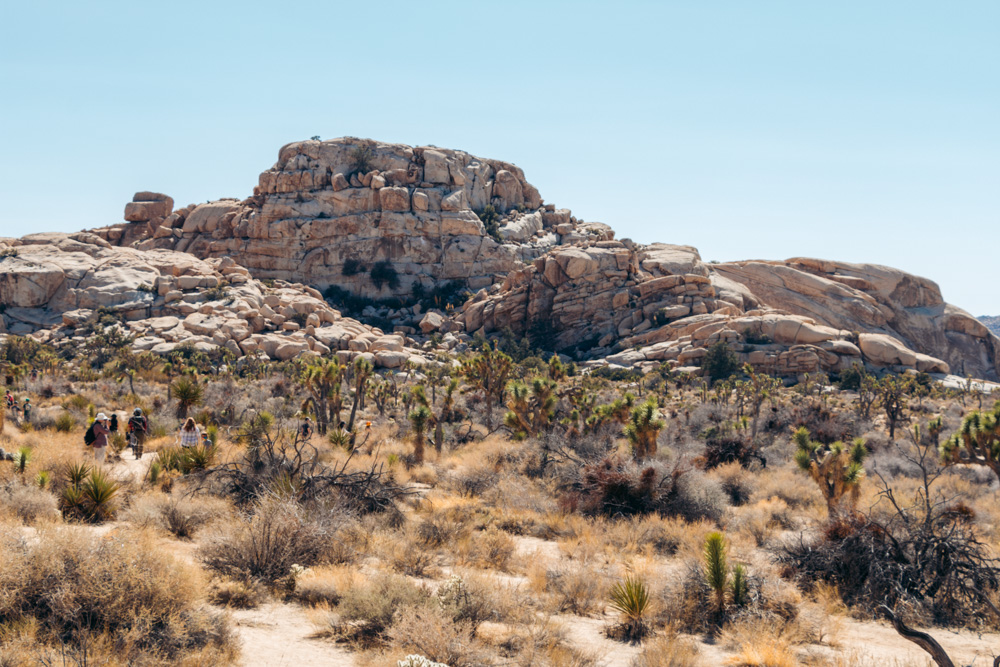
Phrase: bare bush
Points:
(265, 543)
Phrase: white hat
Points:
(100, 416)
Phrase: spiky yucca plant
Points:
(531, 407)
(837, 469)
(76, 473)
(22, 458)
(740, 589)
(716, 572)
(630, 597)
(43, 478)
(99, 492)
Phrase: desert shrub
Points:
(617, 374)
(431, 633)
(265, 543)
(491, 222)
(371, 607)
(362, 156)
(73, 585)
(728, 447)
(474, 480)
(617, 487)
(28, 503)
(180, 516)
(737, 482)
(668, 650)
(237, 594)
(491, 548)
(384, 273)
(64, 423)
(720, 361)
(574, 588)
(352, 266)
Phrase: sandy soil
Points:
(277, 634)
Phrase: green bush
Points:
(720, 361)
(384, 273)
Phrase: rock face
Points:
(992, 323)
(53, 284)
(329, 213)
(388, 220)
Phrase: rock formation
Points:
(54, 284)
(992, 322)
(386, 220)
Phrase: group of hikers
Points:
(137, 429)
(18, 411)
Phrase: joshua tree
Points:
(444, 415)
(362, 371)
(419, 418)
(643, 428)
(531, 407)
(324, 380)
(837, 469)
(892, 397)
(977, 442)
(488, 373)
(618, 410)
(759, 387)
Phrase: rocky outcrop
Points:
(376, 219)
(388, 220)
(992, 323)
(54, 286)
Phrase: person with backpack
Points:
(306, 429)
(137, 428)
(10, 400)
(100, 442)
(113, 423)
(26, 410)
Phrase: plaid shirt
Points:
(191, 438)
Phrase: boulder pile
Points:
(54, 284)
(382, 224)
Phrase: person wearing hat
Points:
(101, 432)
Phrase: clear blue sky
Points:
(862, 131)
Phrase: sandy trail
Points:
(277, 635)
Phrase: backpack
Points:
(89, 437)
(137, 424)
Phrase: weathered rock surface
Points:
(52, 284)
(329, 212)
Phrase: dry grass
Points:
(669, 650)
(120, 588)
(758, 645)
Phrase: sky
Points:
(857, 131)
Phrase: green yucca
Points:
(740, 587)
(43, 478)
(630, 597)
(71, 502)
(76, 473)
(197, 458)
(99, 492)
(188, 393)
(716, 572)
(155, 468)
(340, 438)
(22, 458)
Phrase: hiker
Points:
(113, 424)
(100, 443)
(190, 433)
(10, 400)
(137, 428)
(26, 410)
(306, 429)
(206, 440)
